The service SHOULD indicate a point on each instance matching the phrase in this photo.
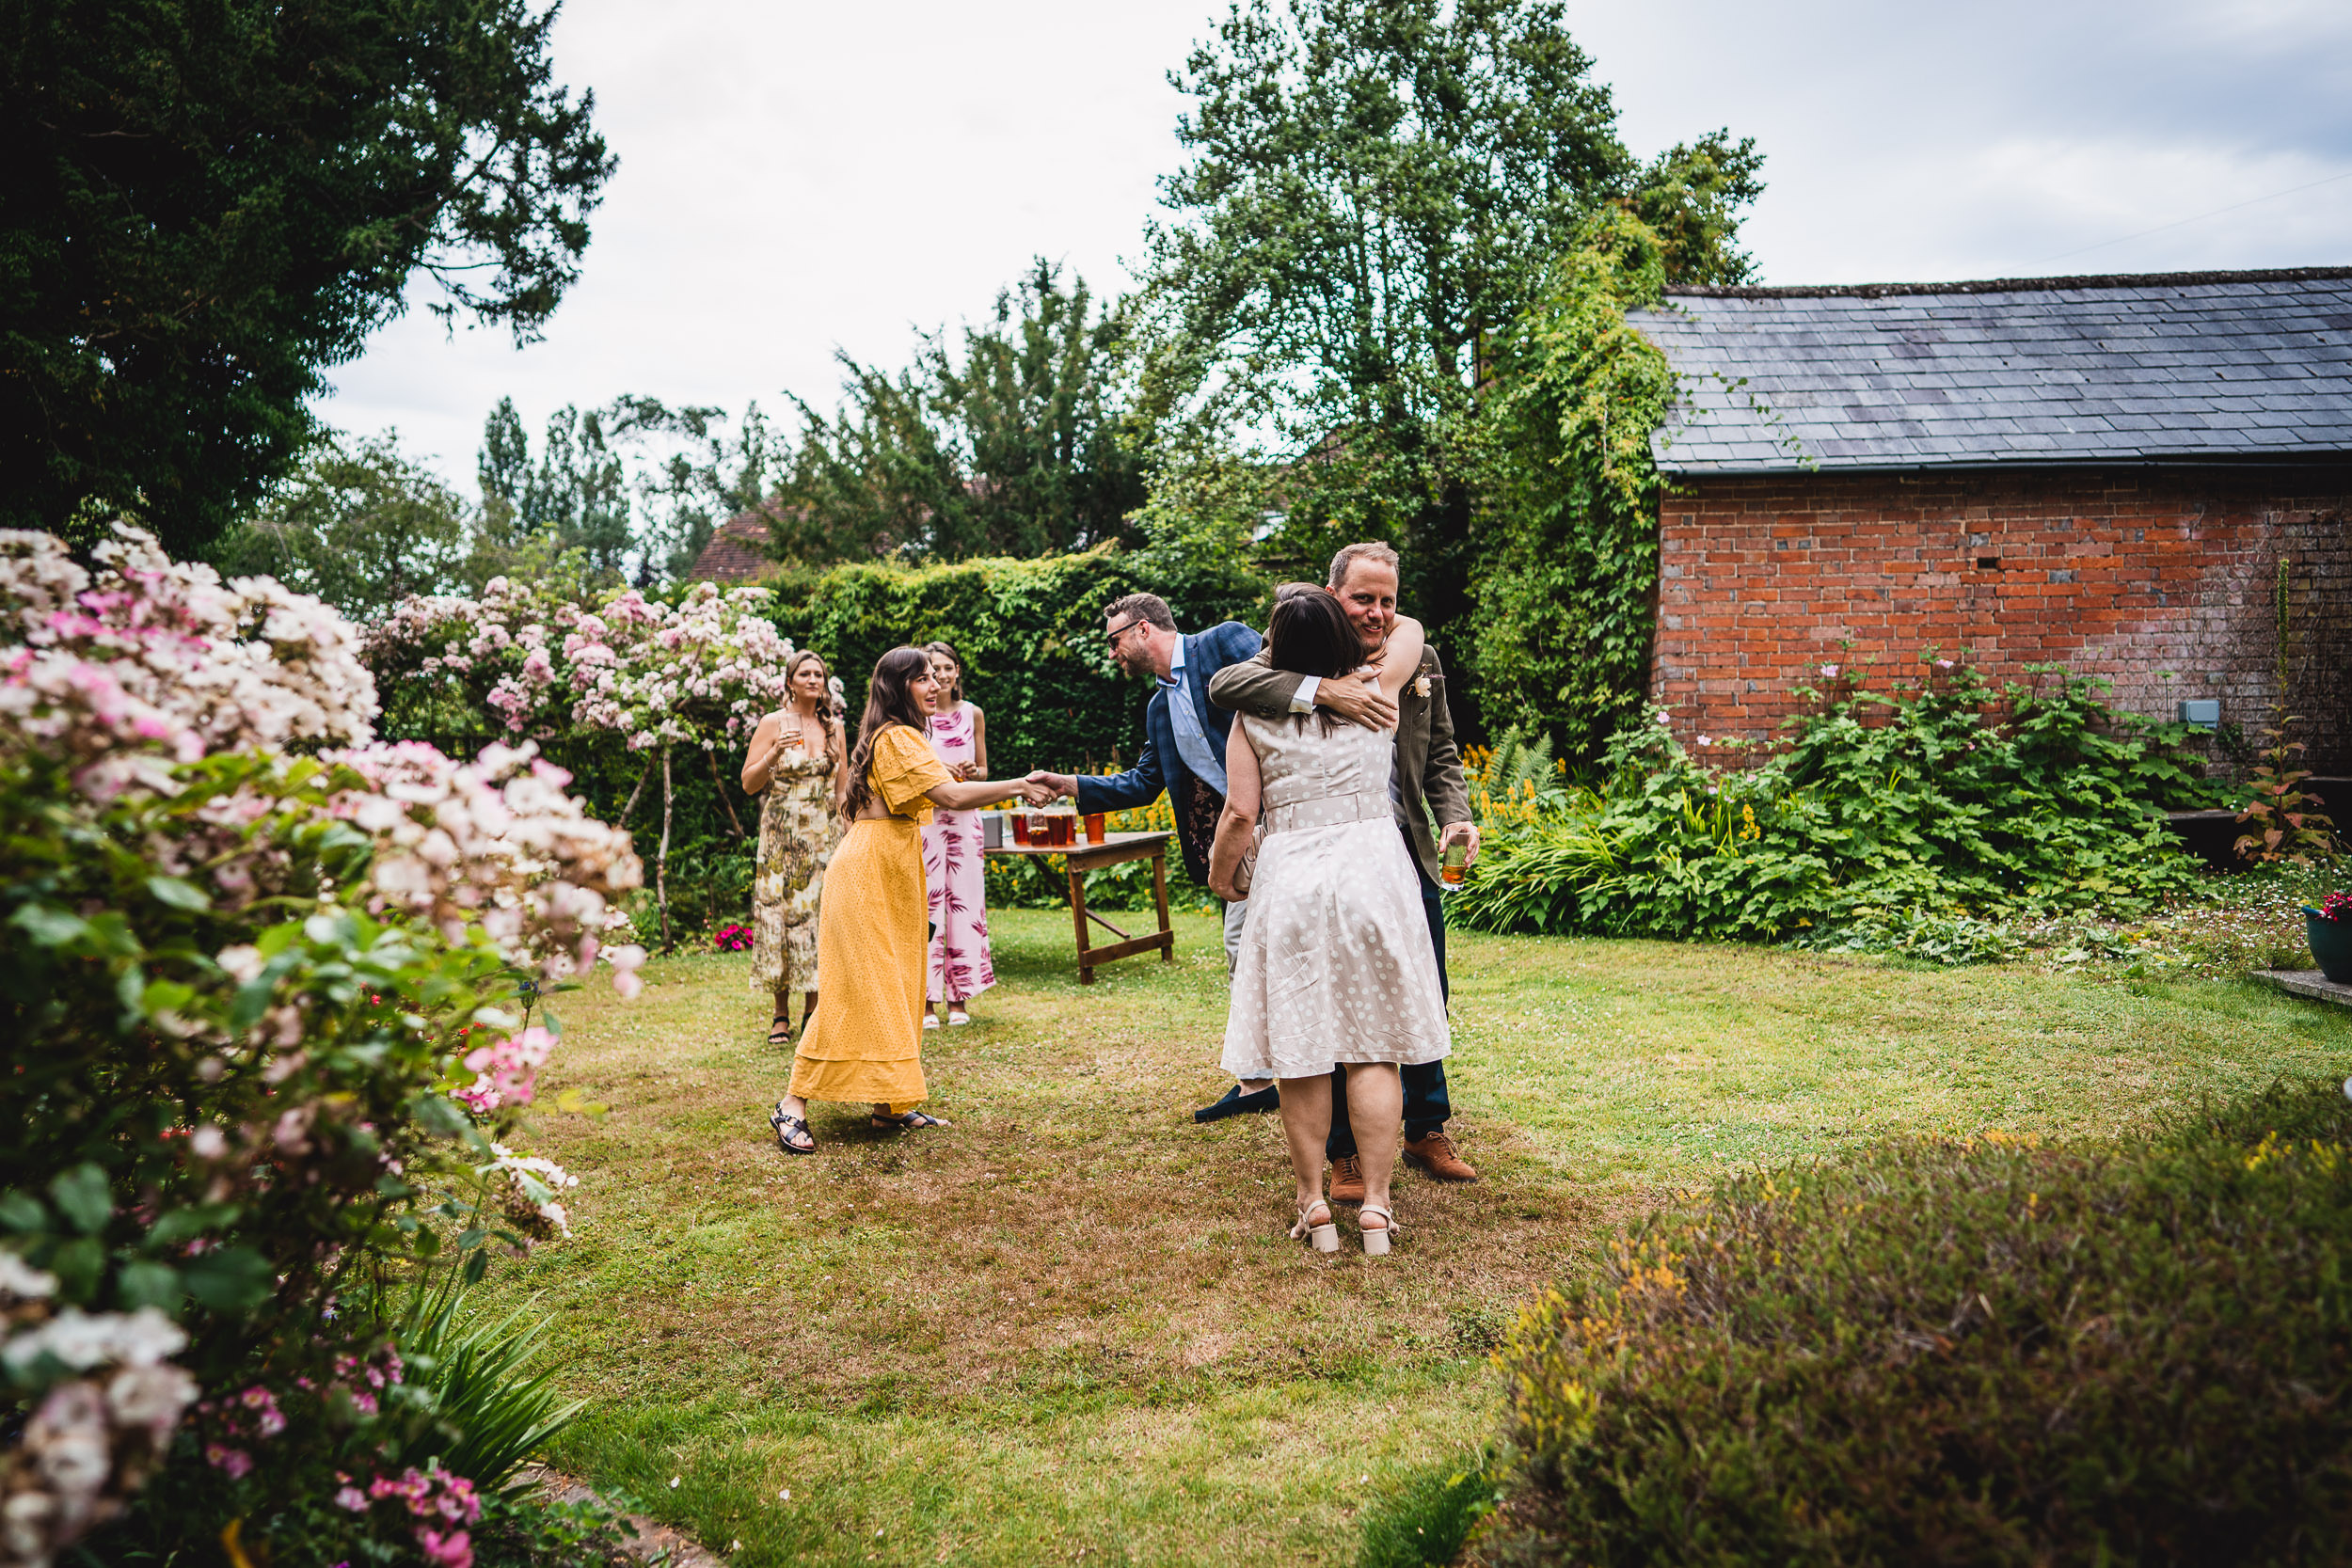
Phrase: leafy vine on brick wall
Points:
(1568, 525)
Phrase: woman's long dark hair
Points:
(887, 702)
(1310, 635)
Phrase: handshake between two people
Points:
(1038, 790)
(1042, 788)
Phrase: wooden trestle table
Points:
(1114, 849)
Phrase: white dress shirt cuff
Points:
(1303, 701)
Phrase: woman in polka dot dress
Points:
(1336, 965)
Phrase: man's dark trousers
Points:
(1425, 1104)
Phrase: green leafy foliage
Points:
(1373, 193)
(1567, 493)
(1928, 800)
(204, 205)
(1960, 1352)
(361, 524)
(1030, 633)
(1009, 446)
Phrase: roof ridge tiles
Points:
(2009, 285)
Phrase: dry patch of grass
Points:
(1071, 1327)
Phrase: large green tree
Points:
(1375, 189)
(1005, 443)
(359, 523)
(205, 202)
(575, 497)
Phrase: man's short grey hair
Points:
(1149, 607)
(1371, 550)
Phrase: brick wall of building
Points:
(2134, 576)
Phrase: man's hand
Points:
(1461, 833)
(1356, 702)
(1044, 788)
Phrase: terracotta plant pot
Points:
(2331, 944)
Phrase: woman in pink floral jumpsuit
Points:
(952, 868)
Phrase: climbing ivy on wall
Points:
(1566, 525)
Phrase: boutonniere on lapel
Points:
(1421, 686)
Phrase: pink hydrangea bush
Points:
(274, 965)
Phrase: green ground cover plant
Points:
(1070, 1323)
(1987, 1348)
(1941, 800)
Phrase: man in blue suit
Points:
(1184, 754)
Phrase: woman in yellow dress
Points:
(873, 942)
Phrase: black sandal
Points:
(787, 1125)
(780, 1031)
(907, 1121)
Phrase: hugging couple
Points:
(1306, 772)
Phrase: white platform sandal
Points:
(1375, 1242)
(1323, 1237)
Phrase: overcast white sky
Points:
(795, 177)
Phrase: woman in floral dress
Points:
(952, 855)
(798, 757)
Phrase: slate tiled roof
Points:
(738, 551)
(2185, 367)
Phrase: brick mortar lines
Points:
(2124, 575)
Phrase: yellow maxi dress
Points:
(873, 943)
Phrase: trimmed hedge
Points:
(1980, 1352)
(1030, 633)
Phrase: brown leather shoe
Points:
(1435, 1154)
(1347, 1180)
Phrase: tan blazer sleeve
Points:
(1255, 686)
(1441, 780)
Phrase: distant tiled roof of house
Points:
(2182, 367)
(738, 551)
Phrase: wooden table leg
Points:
(1078, 913)
(1159, 892)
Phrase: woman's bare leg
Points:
(1306, 1123)
(780, 1021)
(1376, 1109)
(808, 1007)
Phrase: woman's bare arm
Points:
(1400, 661)
(1239, 819)
(759, 757)
(959, 795)
(840, 763)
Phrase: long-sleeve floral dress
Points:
(798, 832)
(955, 876)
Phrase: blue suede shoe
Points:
(1236, 1103)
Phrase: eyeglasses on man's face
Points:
(1115, 633)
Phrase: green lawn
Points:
(1069, 1328)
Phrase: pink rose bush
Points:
(282, 973)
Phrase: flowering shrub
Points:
(556, 670)
(734, 938)
(2336, 906)
(274, 996)
(1970, 1350)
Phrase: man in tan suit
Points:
(1427, 782)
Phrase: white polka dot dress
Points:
(1335, 963)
